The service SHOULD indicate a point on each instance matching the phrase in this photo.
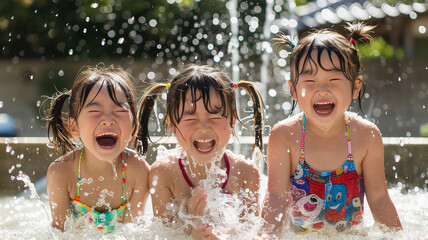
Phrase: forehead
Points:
(325, 59)
(213, 97)
(106, 89)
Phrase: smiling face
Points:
(104, 127)
(201, 133)
(322, 91)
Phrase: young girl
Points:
(326, 158)
(97, 178)
(201, 113)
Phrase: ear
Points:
(171, 127)
(74, 129)
(292, 90)
(357, 87)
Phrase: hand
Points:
(204, 232)
(197, 202)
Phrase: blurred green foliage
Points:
(379, 48)
(423, 129)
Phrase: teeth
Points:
(107, 134)
(325, 103)
(204, 140)
(205, 150)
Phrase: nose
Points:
(107, 122)
(203, 127)
(323, 90)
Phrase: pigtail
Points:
(360, 32)
(258, 115)
(145, 108)
(282, 41)
(57, 124)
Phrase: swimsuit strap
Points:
(79, 179)
(348, 137)
(187, 179)
(302, 146)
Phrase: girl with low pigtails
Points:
(201, 113)
(317, 176)
(98, 182)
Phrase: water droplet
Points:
(401, 142)
(101, 178)
(38, 103)
(15, 140)
(303, 92)
(152, 190)
(397, 158)
(1, 104)
(8, 148)
(18, 165)
(70, 52)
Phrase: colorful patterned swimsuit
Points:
(103, 221)
(325, 200)
(187, 179)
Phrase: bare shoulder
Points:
(165, 167)
(136, 163)
(63, 169)
(242, 165)
(287, 127)
(364, 129)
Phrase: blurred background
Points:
(45, 42)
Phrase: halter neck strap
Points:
(302, 146)
(189, 182)
(79, 178)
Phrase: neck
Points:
(200, 170)
(331, 129)
(96, 165)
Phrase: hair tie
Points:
(292, 45)
(353, 41)
(167, 85)
(235, 85)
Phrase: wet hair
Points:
(58, 120)
(198, 80)
(333, 43)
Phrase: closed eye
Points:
(309, 81)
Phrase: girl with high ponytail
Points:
(91, 125)
(317, 177)
(201, 113)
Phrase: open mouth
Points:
(310, 207)
(107, 140)
(204, 145)
(324, 108)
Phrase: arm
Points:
(380, 203)
(158, 181)
(139, 173)
(252, 183)
(58, 191)
(279, 164)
